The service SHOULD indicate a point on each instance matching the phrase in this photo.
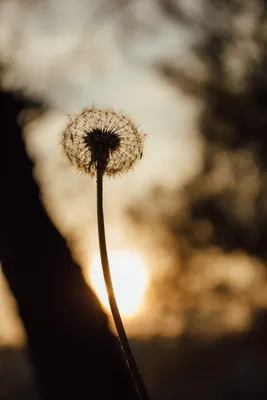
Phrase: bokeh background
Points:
(192, 74)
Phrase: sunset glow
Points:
(130, 280)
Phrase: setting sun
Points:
(129, 277)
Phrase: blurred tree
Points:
(230, 191)
(227, 74)
(223, 208)
(68, 337)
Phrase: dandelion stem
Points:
(125, 346)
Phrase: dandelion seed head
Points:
(102, 139)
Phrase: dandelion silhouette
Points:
(104, 140)
(101, 142)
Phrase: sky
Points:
(75, 54)
(78, 54)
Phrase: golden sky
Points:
(73, 55)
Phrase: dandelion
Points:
(101, 142)
(104, 140)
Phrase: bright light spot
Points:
(129, 277)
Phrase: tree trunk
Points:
(75, 354)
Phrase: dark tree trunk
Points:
(75, 354)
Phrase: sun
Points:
(130, 280)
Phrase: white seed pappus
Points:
(102, 138)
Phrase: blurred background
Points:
(187, 227)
